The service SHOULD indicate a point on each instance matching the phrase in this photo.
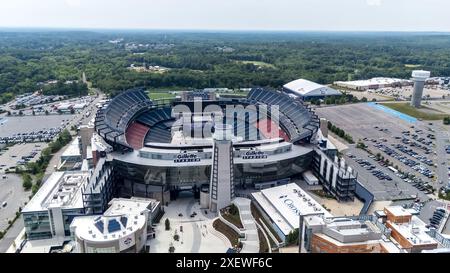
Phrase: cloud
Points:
(73, 3)
(373, 2)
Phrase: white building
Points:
(123, 228)
(308, 89)
(49, 213)
(374, 83)
(283, 205)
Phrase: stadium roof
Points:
(307, 88)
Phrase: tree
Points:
(167, 224)
(233, 209)
(46, 112)
(27, 181)
(447, 121)
(34, 189)
(171, 248)
(292, 237)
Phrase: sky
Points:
(290, 15)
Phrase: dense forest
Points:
(207, 59)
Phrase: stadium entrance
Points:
(185, 192)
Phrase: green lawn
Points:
(412, 65)
(234, 94)
(409, 110)
(257, 63)
(160, 95)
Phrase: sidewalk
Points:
(251, 241)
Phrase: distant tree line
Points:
(27, 59)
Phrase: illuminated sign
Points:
(252, 154)
(185, 157)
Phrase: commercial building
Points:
(282, 207)
(408, 230)
(72, 158)
(342, 235)
(309, 90)
(52, 209)
(124, 228)
(337, 178)
(373, 84)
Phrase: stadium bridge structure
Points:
(154, 156)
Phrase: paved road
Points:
(11, 235)
(197, 234)
(12, 192)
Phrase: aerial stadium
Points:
(164, 147)
(198, 145)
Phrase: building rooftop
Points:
(304, 87)
(73, 149)
(414, 232)
(135, 205)
(284, 204)
(398, 211)
(99, 144)
(123, 217)
(61, 189)
(373, 81)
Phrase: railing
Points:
(445, 242)
(279, 244)
(269, 246)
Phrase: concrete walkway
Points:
(198, 235)
(251, 241)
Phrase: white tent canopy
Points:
(305, 88)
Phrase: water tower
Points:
(419, 77)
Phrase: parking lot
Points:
(400, 159)
(12, 196)
(19, 154)
(10, 126)
(405, 93)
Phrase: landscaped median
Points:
(424, 112)
(237, 223)
(231, 214)
(230, 233)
